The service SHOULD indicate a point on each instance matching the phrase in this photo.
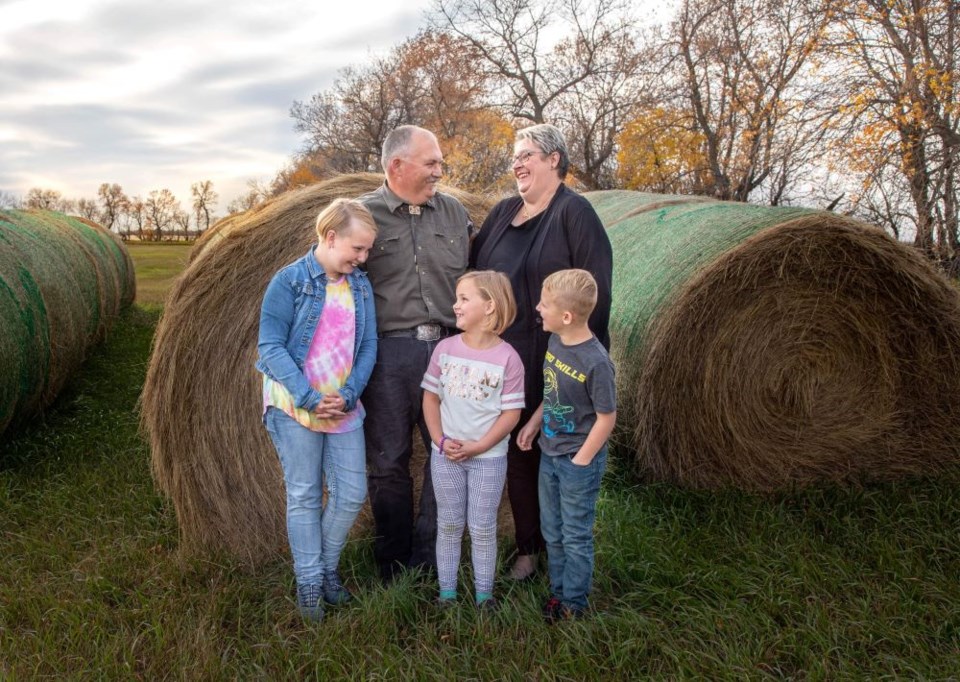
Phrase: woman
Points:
(548, 227)
(317, 346)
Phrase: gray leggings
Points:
(468, 493)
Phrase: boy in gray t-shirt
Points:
(575, 421)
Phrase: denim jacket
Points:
(288, 319)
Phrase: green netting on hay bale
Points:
(62, 283)
(764, 347)
(615, 205)
(202, 401)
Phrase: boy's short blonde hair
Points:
(338, 216)
(574, 290)
(494, 286)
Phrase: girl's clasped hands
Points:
(331, 407)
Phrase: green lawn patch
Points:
(156, 265)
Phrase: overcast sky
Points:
(155, 95)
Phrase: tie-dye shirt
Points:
(327, 365)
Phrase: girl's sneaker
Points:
(334, 593)
(445, 603)
(488, 605)
(308, 602)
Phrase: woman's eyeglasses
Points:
(523, 157)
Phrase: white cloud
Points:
(162, 95)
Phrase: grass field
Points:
(820, 584)
(156, 266)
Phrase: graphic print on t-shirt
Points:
(554, 414)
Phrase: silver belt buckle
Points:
(428, 332)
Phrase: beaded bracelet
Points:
(443, 439)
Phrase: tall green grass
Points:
(822, 584)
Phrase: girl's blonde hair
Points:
(338, 216)
(494, 286)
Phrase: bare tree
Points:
(9, 200)
(738, 66)
(182, 220)
(161, 208)
(137, 214)
(204, 200)
(900, 106)
(255, 195)
(586, 81)
(87, 208)
(113, 203)
(46, 199)
(345, 127)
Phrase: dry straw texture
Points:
(63, 281)
(201, 401)
(766, 348)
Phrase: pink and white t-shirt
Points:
(474, 386)
(328, 363)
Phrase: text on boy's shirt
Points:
(565, 368)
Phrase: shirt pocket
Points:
(302, 290)
(450, 249)
(387, 247)
(304, 293)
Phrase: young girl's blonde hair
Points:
(494, 286)
(338, 216)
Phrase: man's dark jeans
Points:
(393, 401)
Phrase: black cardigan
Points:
(570, 235)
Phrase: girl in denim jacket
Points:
(317, 348)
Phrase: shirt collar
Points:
(394, 202)
(313, 267)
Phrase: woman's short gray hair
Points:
(549, 139)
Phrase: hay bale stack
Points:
(63, 281)
(765, 348)
(201, 404)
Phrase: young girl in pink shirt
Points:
(473, 394)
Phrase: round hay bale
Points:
(765, 348)
(63, 281)
(201, 406)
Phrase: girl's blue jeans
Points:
(318, 533)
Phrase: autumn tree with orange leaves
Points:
(661, 152)
(431, 81)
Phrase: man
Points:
(421, 249)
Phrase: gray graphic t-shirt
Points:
(578, 382)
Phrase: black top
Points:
(568, 234)
(509, 258)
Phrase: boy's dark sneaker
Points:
(334, 593)
(571, 612)
(551, 610)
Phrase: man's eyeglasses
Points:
(523, 157)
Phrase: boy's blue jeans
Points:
(568, 502)
(317, 534)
